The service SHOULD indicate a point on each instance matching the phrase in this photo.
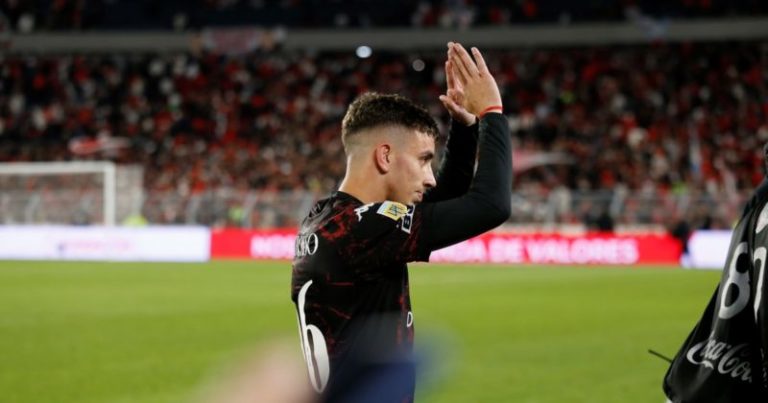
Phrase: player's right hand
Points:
(480, 89)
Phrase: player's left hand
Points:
(454, 97)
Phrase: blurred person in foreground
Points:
(271, 373)
(350, 279)
(725, 358)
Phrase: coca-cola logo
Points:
(727, 359)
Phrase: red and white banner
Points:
(201, 244)
(487, 248)
(560, 249)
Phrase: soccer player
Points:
(350, 279)
(725, 358)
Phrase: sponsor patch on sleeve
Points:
(393, 210)
(405, 225)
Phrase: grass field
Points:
(152, 333)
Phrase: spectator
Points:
(660, 121)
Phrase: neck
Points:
(364, 187)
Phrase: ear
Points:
(383, 158)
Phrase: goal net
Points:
(74, 193)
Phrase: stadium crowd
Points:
(38, 15)
(682, 119)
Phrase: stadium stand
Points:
(661, 124)
(675, 122)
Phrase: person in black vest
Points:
(725, 358)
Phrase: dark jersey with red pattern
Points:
(350, 279)
(351, 282)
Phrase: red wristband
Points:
(490, 109)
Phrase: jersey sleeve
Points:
(486, 204)
(458, 164)
(382, 234)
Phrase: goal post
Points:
(79, 192)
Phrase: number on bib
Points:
(313, 346)
(760, 254)
(739, 280)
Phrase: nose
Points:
(429, 180)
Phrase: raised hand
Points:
(480, 91)
(453, 99)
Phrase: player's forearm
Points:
(487, 203)
(492, 184)
(455, 174)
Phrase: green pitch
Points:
(152, 333)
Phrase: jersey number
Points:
(738, 283)
(313, 346)
(760, 254)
